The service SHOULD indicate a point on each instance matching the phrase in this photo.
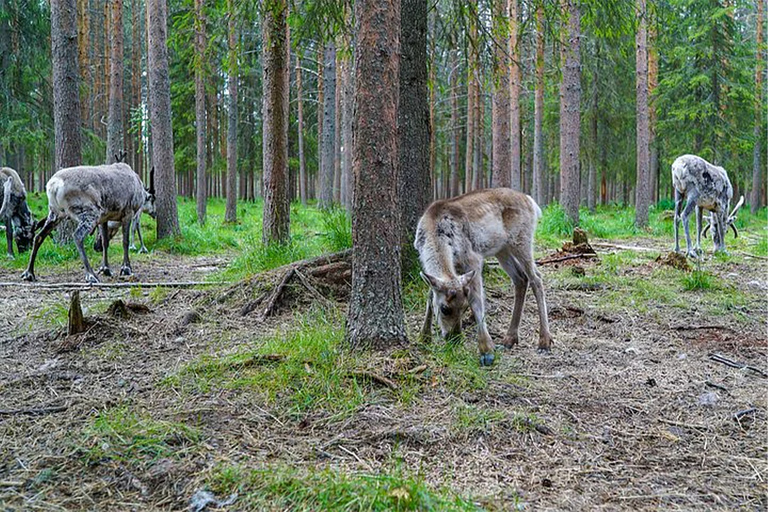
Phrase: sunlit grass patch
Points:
(699, 280)
(469, 419)
(288, 488)
(337, 229)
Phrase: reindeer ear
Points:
(465, 279)
(432, 281)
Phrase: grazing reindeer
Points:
(704, 187)
(14, 212)
(92, 195)
(113, 226)
(453, 238)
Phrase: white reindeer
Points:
(92, 195)
(453, 238)
(704, 187)
(113, 226)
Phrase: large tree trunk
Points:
(275, 115)
(455, 128)
(479, 104)
(115, 141)
(329, 127)
(592, 172)
(501, 173)
(539, 187)
(302, 162)
(137, 153)
(66, 99)
(347, 118)
(201, 122)
(375, 310)
(570, 117)
(754, 201)
(83, 44)
(415, 187)
(514, 88)
(337, 135)
(472, 63)
(643, 184)
(230, 215)
(160, 119)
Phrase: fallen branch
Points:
(312, 290)
(86, 286)
(34, 411)
(751, 255)
(565, 258)
(699, 327)
(374, 377)
(273, 299)
(737, 416)
(624, 247)
(718, 358)
(716, 386)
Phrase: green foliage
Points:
(338, 229)
(699, 280)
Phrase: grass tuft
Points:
(699, 280)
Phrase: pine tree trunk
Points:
(643, 185)
(479, 124)
(754, 200)
(201, 123)
(415, 187)
(375, 310)
(472, 63)
(66, 95)
(230, 215)
(276, 227)
(83, 34)
(514, 85)
(455, 128)
(592, 177)
(302, 163)
(570, 97)
(160, 119)
(337, 136)
(348, 113)
(329, 127)
(539, 184)
(653, 83)
(501, 173)
(115, 142)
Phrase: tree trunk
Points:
(472, 63)
(348, 106)
(66, 95)
(539, 184)
(115, 142)
(201, 123)
(592, 177)
(83, 35)
(415, 187)
(455, 128)
(514, 86)
(754, 201)
(329, 127)
(137, 152)
(375, 310)
(477, 161)
(160, 119)
(643, 186)
(230, 214)
(501, 173)
(337, 136)
(275, 117)
(570, 97)
(302, 163)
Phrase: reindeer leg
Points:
(50, 223)
(477, 305)
(137, 231)
(125, 270)
(87, 220)
(525, 259)
(687, 213)
(104, 233)
(698, 249)
(520, 281)
(9, 236)
(678, 205)
(425, 336)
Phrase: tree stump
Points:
(76, 321)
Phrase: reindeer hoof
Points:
(28, 276)
(509, 341)
(487, 359)
(143, 250)
(91, 278)
(106, 271)
(544, 349)
(126, 271)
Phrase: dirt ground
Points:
(632, 413)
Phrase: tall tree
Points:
(643, 186)
(115, 136)
(160, 119)
(455, 128)
(329, 126)
(230, 215)
(756, 154)
(66, 99)
(348, 112)
(302, 161)
(415, 188)
(539, 187)
(376, 309)
(514, 89)
(472, 62)
(502, 145)
(570, 116)
(276, 228)
(200, 114)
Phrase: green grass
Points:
(289, 488)
(699, 280)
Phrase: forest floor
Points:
(198, 398)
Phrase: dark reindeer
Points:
(14, 212)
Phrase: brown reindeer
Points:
(453, 238)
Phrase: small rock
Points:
(179, 340)
(708, 399)
(682, 356)
(631, 350)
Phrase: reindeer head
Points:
(449, 301)
(722, 220)
(149, 196)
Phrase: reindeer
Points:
(113, 226)
(92, 195)
(704, 187)
(453, 238)
(14, 212)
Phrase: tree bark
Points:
(302, 163)
(643, 184)
(201, 122)
(66, 96)
(337, 135)
(754, 201)
(472, 63)
(160, 119)
(375, 316)
(501, 173)
(592, 176)
(230, 215)
(115, 140)
(329, 127)
(455, 128)
(415, 187)
(347, 119)
(539, 178)
(653, 83)
(570, 116)
(514, 87)
(83, 35)
(276, 227)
